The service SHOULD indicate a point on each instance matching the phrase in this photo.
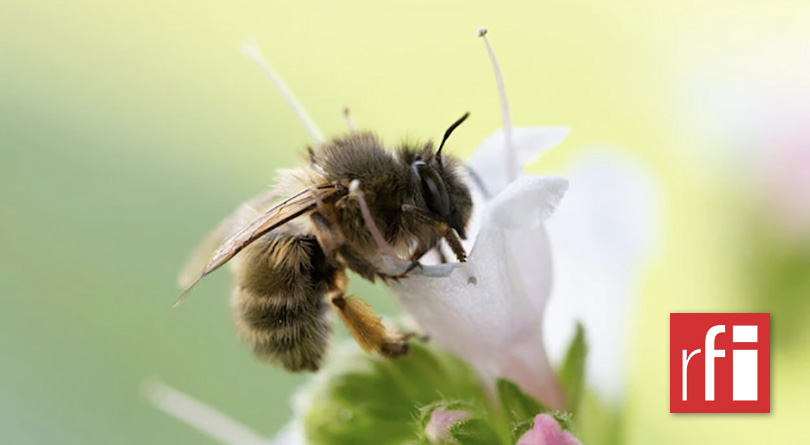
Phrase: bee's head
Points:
(440, 185)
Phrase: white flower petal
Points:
(602, 236)
(532, 249)
(489, 159)
(527, 202)
(520, 209)
(489, 310)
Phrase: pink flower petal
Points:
(438, 428)
(546, 431)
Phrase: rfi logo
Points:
(719, 363)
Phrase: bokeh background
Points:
(128, 129)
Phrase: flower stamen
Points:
(349, 120)
(506, 116)
(199, 415)
(251, 49)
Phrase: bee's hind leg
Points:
(363, 323)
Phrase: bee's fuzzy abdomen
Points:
(279, 305)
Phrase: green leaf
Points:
(516, 404)
(600, 421)
(572, 372)
(520, 428)
(474, 431)
(360, 399)
(564, 418)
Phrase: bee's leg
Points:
(442, 228)
(357, 263)
(454, 243)
(417, 254)
(423, 248)
(329, 235)
(332, 242)
(363, 323)
(359, 317)
(361, 320)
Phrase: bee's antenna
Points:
(448, 133)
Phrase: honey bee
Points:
(350, 206)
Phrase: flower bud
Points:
(437, 429)
(546, 431)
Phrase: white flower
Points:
(489, 310)
(602, 238)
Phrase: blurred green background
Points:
(128, 129)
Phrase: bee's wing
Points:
(206, 249)
(299, 204)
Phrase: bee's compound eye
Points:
(433, 189)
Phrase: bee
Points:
(351, 206)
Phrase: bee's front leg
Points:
(442, 229)
(417, 254)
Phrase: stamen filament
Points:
(349, 120)
(506, 116)
(199, 415)
(251, 49)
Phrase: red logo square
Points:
(719, 363)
